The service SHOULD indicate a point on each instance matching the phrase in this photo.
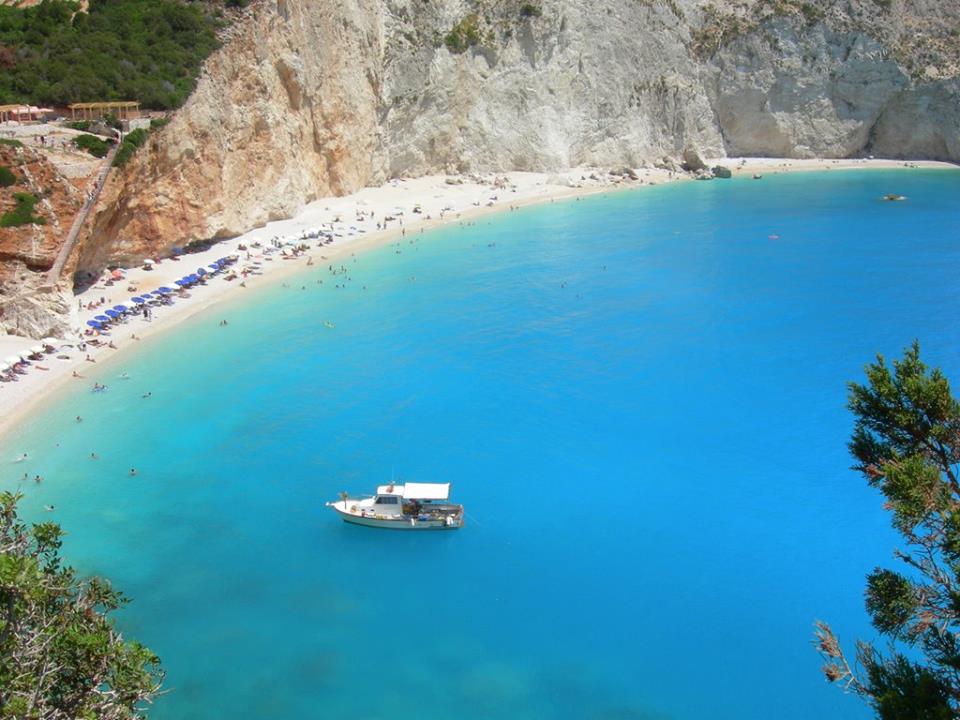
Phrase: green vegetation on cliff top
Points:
(146, 50)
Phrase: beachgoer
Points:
(133, 472)
(90, 359)
(48, 508)
(21, 458)
(110, 344)
(147, 395)
(37, 479)
(77, 375)
(93, 456)
(79, 419)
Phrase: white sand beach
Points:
(406, 206)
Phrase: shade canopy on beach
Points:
(101, 318)
(147, 261)
(137, 300)
(164, 289)
(50, 341)
(201, 271)
(13, 360)
(120, 308)
(93, 324)
(38, 349)
(112, 313)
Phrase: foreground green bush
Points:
(22, 214)
(146, 50)
(7, 178)
(60, 654)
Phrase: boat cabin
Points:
(409, 499)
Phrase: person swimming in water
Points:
(21, 458)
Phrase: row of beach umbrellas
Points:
(118, 311)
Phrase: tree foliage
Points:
(906, 443)
(60, 654)
(146, 50)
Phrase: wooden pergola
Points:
(123, 109)
(17, 112)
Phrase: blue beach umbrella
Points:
(93, 324)
(214, 266)
(181, 283)
(201, 271)
(120, 308)
(101, 318)
(138, 300)
(163, 290)
(161, 293)
(112, 313)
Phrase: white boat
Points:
(411, 506)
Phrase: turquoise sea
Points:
(640, 398)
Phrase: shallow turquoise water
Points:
(640, 399)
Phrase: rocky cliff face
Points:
(308, 99)
(28, 251)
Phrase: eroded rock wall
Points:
(309, 99)
(284, 113)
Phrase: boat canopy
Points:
(417, 491)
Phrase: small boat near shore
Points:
(411, 506)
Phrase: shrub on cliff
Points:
(146, 50)
(22, 214)
(906, 443)
(60, 654)
(463, 35)
(92, 144)
(7, 178)
(130, 144)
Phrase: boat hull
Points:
(404, 523)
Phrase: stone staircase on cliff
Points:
(53, 276)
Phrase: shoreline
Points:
(440, 201)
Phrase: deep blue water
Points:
(640, 398)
